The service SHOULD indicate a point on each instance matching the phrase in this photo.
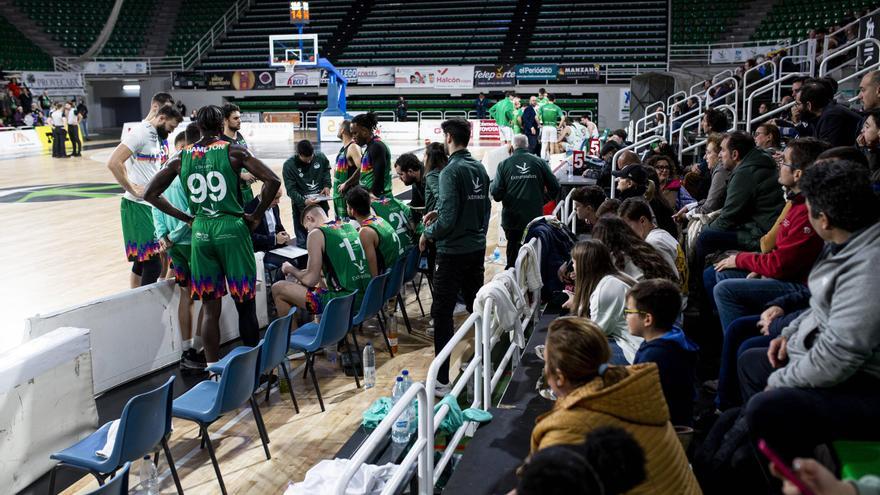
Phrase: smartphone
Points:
(782, 467)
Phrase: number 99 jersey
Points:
(209, 181)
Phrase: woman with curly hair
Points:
(632, 255)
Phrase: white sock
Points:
(187, 345)
(197, 343)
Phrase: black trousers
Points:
(454, 273)
(533, 143)
(793, 421)
(514, 242)
(58, 138)
(73, 130)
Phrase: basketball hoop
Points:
(290, 65)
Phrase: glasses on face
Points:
(663, 167)
(631, 311)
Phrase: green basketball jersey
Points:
(517, 114)
(390, 245)
(399, 215)
(550, 114)
(345, 264)
(341, 171)
(209, 181)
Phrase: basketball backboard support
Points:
(286, 47)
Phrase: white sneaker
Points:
(539, 351)
(441, 390)
(460, 309)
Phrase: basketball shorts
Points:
(548, 134)
(318, 297)
(137, 230)
(339, 207)
(180, 261)
(222, 251)
(506, 133)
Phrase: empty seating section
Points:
(75, 24)
(18, 53)
(795, 18)
(246, 46)
(600, 32)
(194, 19)
(426, 31)
(702, 21)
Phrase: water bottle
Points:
(369, 366)
(392, 332)
(496, 255)
(407, 382)
(400, 428)
(149, 477)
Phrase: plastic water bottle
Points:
(149, 477)
(392, 332)
(369, 362)
(407, 382)
(400, 428)
(496, 255)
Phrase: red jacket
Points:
(797, 247)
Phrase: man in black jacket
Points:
(530, 124)
(270, 233)
(833, 123)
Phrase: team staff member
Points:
(458, 228)
(59, 131)
(521, 183)
(231, 134)
(530, 123)
(134, 163)
(376, 162)
(306, 173)
(346, 172)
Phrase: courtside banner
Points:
(56, 83)
(349, 73)
(398, 131)
(298, 78)
(487, 76)
(415, 77)
(536, 72)
(430, 129)
(255, 132)
(375, 75)
(240, 80)
(485, 130)
(454, 77)
(579, 72)
(20, 142)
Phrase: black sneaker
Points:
(191, 360)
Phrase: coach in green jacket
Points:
(305, 174)
(458, 228)
(754, 199)
(521, 184)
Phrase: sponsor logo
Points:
(524, 168)
(313, 186)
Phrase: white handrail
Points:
(811, 60)
(421, 451)
(823, 66)
(718, 84)
(773, 86)
(695, 119)
(760, 82)
(634, 146)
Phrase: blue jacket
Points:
(676, 357)
(529, 121)
(556, 243)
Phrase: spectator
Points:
(632, 255)
(870, 139)
(652, 307)
(600, 295)
(587, 201)
(270, 233)
(767, 138)
(608, 207)
(530, 124)
(180, 107)
(73, 129)
(670, 186)
(822, 373)
(192, 115)
(720, 176)
(832, 122)
(783, 268)
(306, 176)
(869, 93)
(25, 98)
(619, 137)
(401, 110)
(83, 113)
(522, 182)
(636, 213)
(45, 103)
(481, 106)
(821, 481)
(714, 121)
(558, 470)
(633, 182)
(18, 117)
(591, 394)
(458, 228)
(753, 200)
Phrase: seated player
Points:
(335, 254)
(382, 246)
(403, 218)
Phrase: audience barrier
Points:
(16, 142)
(46, 403)
(128, 320)
(634, 147)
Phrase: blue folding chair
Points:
(118, 485)
(273, 355)
(208, 400)
(370, 307)
(393, 286)
(333, 328)
(144, 424)
(410, 270)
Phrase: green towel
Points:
(456, 417)
(377, 412)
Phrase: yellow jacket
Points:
(635, 404)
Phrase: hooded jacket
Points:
(635, 404)
(676, 358)
(753, 200)
(839, 335)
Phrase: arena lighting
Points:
(131, 87)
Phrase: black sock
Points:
(248, 327)
(151, 270)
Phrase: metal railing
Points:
(312, 119)
(775, 87)
(823, 66)
(217, 30)
(421, 451)
(631, 147)
(151, 65)
(761, 82)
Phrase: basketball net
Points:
(290, 65)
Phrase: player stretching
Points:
(221, 241)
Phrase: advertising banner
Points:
(485, 130)
(44, 136)
(740, 54)
(443, 77)
(430, 129)
(536, 72)
(349, 73)
(255, 132)
(328, 127)
(188, 80)
(250, 117)
(398, 131)
(240, 80)
(414, 77)
(624, 104)
(114, 67)
(294, 118)
(455, 77)
(375, 75)
(20, 142)
(299, 78)
(487, 76)
(55, 83)
(579, 72)
(867, 29)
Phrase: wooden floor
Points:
(61, 253)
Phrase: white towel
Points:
(530, 268)
(107, 449)
(506, 315)
(323, 476)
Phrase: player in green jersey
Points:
(346, 171)
(550, 115)
(376, 161)
(382, 246)
(231, 134)
(222, 251)
(337, 266)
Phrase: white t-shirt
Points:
(666, 245)
(147, 155)
(72, 117)
(57, 117)
(606, 309)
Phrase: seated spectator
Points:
(831, 121)
(670, 186)
(821, 481)
(636, 213)
(270, 233)
(608, 207)
(767, 138)
(625, 159)
(818, 381)
(651, 311)
(633, 181)
(870, 139)
(631, 254)
(18, 117)
(752, 203)
(591, 394)
(587, 201)
(714, 121)
(600, 295)
(717, 183)
(619, 136)
(797, 245)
